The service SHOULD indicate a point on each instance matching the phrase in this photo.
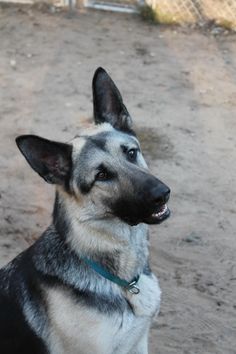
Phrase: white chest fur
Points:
(78, 329)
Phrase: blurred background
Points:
(174, 62)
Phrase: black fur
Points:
(50, 159)
(108, 103)
(137, 203)
(16, 336)
(20, 285)
(99, 142)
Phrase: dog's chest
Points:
(78, 328)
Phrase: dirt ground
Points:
(180, 88)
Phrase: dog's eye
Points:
(132, 154)
(102, 176)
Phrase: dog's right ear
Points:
(50, 159)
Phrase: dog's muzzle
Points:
(160, 209)
(146, 202)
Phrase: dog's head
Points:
(102, 168)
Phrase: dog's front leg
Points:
(142, 346)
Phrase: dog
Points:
(85, 286)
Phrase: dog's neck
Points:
(119, 247)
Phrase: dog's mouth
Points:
(136, 213)
(158, 216)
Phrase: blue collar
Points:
(130, 286)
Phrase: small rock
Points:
(6, 245)
(13, 63)
(193, 238)
(217, 30)
(201, 24)
(52, 9)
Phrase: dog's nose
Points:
(161, 194)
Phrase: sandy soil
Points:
(180, 88)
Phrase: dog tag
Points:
(133, 289)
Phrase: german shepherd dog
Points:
(85, 286)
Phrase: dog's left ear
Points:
(108, 104)
(50, 159)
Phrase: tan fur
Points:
(75, 328)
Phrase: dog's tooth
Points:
(160, 213)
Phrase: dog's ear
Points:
(50, 159)
(108, 104)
